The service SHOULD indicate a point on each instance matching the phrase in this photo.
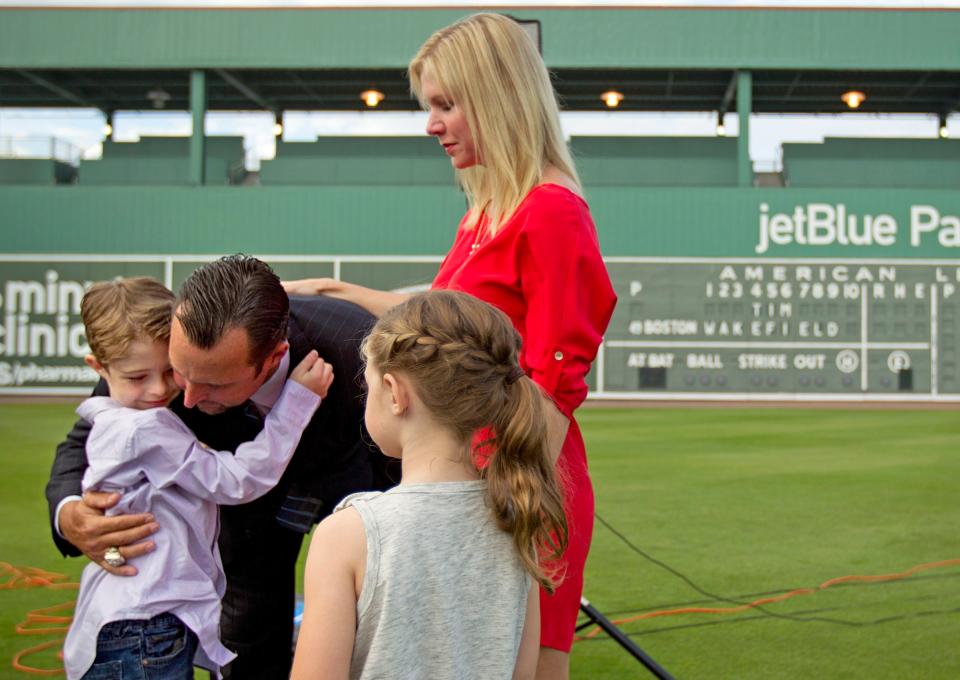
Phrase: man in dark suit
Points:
(234, 337)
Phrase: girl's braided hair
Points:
(461, 355)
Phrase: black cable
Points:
(714, 596)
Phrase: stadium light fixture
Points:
(107, 129)
(159, 97)
(371, 97)
(721, 128)
(612, 98)
(853, 98)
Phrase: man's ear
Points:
(92, 362)
(273, 359)
(399, 393)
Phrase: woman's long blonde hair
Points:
(488, 65)
(461, 356)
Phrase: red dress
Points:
(543, 269)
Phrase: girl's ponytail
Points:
(523, 489)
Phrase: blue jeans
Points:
(160, 648)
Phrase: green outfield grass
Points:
(738, 503)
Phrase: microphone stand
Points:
(621, 638)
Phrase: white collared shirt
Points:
(269, 392)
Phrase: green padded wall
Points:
(421, 220)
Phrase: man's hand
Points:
(84, 524)
(313, 373)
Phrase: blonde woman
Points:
(526, 245)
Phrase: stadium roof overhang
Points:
(660, 59)
(774, 91)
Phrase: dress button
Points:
(558, 356)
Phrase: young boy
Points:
(163, 621)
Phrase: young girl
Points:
(432, 579)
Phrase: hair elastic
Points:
(515, 374)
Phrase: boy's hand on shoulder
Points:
(313, 373)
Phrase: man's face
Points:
(221, 377)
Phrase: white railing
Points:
(40, 147)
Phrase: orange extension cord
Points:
(779, 598)
(45, 621)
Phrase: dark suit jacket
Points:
(335, 456)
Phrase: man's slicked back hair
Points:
(236, 291)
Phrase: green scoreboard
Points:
(782, 328)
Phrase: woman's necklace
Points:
(478, 239)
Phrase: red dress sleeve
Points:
(568, 294)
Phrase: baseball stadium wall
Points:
(842, 285)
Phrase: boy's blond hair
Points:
(116, 313)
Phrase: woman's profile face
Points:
(447, 122)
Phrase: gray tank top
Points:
(444, 594)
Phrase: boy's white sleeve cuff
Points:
(299, 403)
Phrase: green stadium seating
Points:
(656, 161)
(163, 161)
(874, 162)
(36, 171)
(372, 161)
